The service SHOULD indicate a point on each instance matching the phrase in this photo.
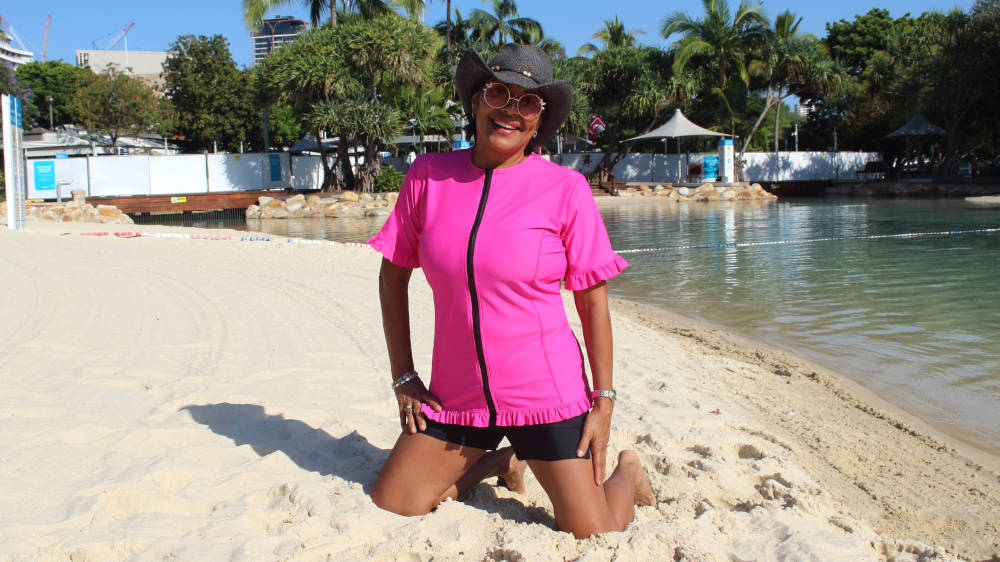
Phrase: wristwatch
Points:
(604, 394)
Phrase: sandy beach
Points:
(186, 398)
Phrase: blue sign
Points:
(456, 145)
(62, 155)
(45, 175)
(725, 142)
(275, 164)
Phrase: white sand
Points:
(165, 398)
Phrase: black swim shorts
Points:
(543, 442)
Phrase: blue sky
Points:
(77, 23)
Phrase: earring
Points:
(534, 135)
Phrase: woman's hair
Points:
(470, 127)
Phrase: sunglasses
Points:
(497, 96)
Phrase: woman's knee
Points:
(398, 503)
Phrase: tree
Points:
(504, 25)
(54, 79)
(210, 95)
(724, 38)
(428, 110)
(115, 104)
(344, 80)
(612, 35)
(379, 56)
(790, 64)
(255, 10)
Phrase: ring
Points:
(408, 407)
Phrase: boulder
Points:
(273, 204)
(349, 196)
(263, 200)
(108, 211)
(706, 189)
(294, 203)
(272, 211)
(365, 197)
(313, 200)
(685, 191)
(729, 194)
(378, 212)
(253, 212)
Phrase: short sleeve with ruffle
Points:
(589, 256)
(399, 238)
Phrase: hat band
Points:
(522, 72)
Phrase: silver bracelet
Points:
(404, 378)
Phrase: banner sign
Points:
(13, 161)
(45, 175)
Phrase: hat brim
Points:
(472, 72)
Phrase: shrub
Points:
(388, 179)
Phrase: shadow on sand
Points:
(350, 457)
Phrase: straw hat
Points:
(526, 66)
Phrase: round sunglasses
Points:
(497, 96)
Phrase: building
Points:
(274, 33)
(9, 54)
(145, 65)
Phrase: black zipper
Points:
(474, 295)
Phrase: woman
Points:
(496, 228)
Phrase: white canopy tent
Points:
(678, 126)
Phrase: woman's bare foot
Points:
(642, 491)
(510, 470)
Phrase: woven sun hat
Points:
(526, 66)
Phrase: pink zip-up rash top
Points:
(494, 245)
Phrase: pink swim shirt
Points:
(494, 246)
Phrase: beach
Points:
(186, 394)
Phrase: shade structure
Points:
(309, 144)
(678, 126)
(918, 126)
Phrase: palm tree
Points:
(255, 10)
(719, 35)
(787, 64)
(613, 35)
(504, 24)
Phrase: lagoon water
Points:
(915, 319)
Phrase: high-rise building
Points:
(16, 57)
(274, 33)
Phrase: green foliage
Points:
(504, 25)
(10, 85)
(212, 98)
(345, 80)
(54, 79)
(115, 104)
(388, 179)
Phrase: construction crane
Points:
(45, 47)
(119, 37)
(114, 41)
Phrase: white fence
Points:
(760, 166)
(158, 175)
(211, 173)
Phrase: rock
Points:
(294, 203)
(263, 200)
(365, 197)
(49, 215)
(392, 196)
(348, 196)
(253, 212)
(272, 211)
(705, 188)
(683, 191)
(378, 212)
(79, 196)
(313, 200)
(273, 204)
(108, 211)
(729, 194)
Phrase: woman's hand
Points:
(410, 396)
(596, 432)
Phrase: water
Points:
(917, 320)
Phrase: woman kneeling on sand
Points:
(496, 228)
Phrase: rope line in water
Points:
(808, 240)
